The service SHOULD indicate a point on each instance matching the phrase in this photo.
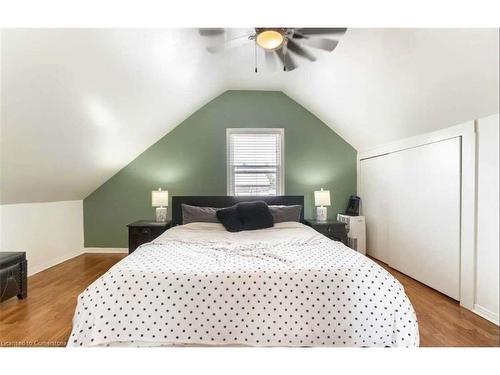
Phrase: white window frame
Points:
(280, 176)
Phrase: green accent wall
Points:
(191, 160)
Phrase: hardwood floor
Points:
(44, 318)
(441, 320)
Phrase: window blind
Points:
(255, 162)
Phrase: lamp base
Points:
(161, 214)
(321, 213)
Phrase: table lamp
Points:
(159, 198)
(321, 199)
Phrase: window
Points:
(255, 161)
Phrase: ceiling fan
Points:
(283, 43)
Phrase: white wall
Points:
(487, 243)
(49, 233)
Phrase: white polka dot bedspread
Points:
(198, 284)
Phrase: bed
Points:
(288, 285)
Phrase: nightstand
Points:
(144, 231)
(13, 275)
(333, 229)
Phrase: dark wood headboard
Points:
(227, 201)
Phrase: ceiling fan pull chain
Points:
(255, 56)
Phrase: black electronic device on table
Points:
(353, 206)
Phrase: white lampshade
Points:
(322, 197)
(159, 198)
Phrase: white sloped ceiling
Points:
(77, 105)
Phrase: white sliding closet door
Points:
(424, 220)
(420, 190)
(375, 205)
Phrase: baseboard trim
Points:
(107, 250)
(486, 314)
(32, 270)
(53, 262)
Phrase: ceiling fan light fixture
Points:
(280, 43)
(270, 39)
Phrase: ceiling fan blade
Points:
(230, 43)
(294, 47)
(211, 31)
(321, 30)
(286, 60)
(321, 43)
(270, 59)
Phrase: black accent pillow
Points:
(230, 218)
(255, 215)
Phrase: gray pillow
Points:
(286, 213)
(195, 214)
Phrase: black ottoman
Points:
(13, 275)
